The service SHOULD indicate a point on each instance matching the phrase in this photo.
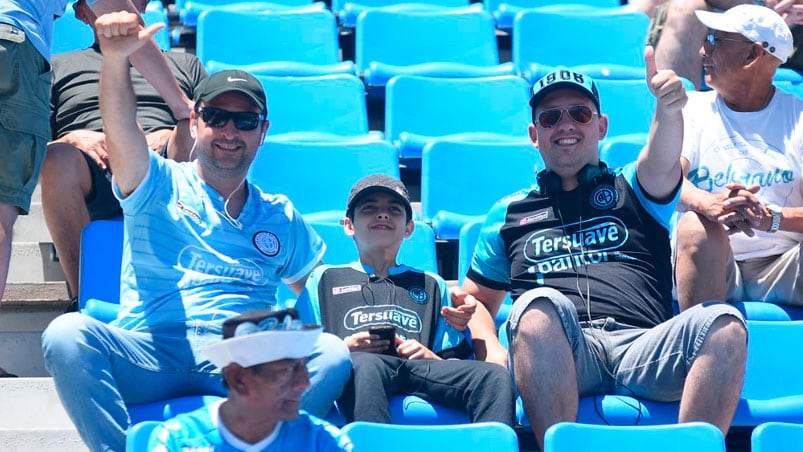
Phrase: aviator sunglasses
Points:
(217, 118)
(580, 114)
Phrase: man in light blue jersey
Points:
(201, 245)
(26, 32)
(263, 358)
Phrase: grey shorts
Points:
(612, 358)
(25, 78)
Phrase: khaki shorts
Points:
(773, 279)
(25, 79)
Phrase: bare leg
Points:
(544, 369)
(681, 39)
(8, 216)
(66, 181)
(715, 379)
(702, 250)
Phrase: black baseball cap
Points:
(232, 81)
(567, 79)
(375, 183)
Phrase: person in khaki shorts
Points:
(26, 31)
(739, 239)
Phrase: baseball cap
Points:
(232, 80)
(567, 79)
(257, 337)
(756, 23)
(375, 183)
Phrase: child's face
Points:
(380, 220)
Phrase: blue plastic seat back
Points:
(317, 176)
(69, 33)
(478, 437)
(139, 435)
(408, 37)
(332, 104)
(629, 105)
(770, 372)
(619, 150)
(279, 35)
(156, 13)
(776, 436)
(348, 11)
(428, 108)
(189, 11)
(417, 251)
(505, 11)
(99, 262)
(696, 436)
(609, 36)
(450, 172)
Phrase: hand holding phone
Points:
(387, 333)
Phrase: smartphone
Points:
(388, 333)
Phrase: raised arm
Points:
(120, 34)
(659, 162)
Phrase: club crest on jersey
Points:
(603, 197)
(267, 243)
(418, 294)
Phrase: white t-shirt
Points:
(752, 148)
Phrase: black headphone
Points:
(549, 182)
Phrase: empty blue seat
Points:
(603, 40)
(277, 41)
(619, 150)
(322, 108)
(156, 13)
(69, 33)
(317, 176)
(478, 437)
(420, 110)
(190, 11)
(442, 42)
(347, 11)
(629, 105)
(504, 11)
(776, 437)
(451, 196)
(692, 436)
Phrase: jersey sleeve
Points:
(307, 248)
(490, 265)
(308, 303)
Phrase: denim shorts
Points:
(25, 79)
(612, 358)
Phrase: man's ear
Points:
(533, 134)
(755, 51)
(265, 126)
(234, 374)
(409, 228)
(348, 226)
(603, 126)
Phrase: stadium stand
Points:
(697, 436)
(190, 11)
(505, 11)
(347, 11)
(419, 110)
(479, 437)
(443, 42)
(776, 436)
(279, 41)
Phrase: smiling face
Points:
(226, 151)
(568, 145)
(379, 221)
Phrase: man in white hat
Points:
(740, 236)
(263, 356)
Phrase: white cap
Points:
(756, 23)
(258, 337)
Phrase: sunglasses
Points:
(217, 118)
(580, 114)
(712, 39)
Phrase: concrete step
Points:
(41, 440)
(32, 227)
(31, 403)
(34, 262)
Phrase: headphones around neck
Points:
(549, 182)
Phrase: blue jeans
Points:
(98, 369)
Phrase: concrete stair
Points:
(33, 258)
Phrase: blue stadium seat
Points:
(451, 195)
(478, 437)
(322, 108)
(504, 11)
(776, 437)
(347, 11)
(70, 34)
(419, 110)
(189, 11)
(139, 435)
(693, 436)
(99, 296)
(617, 151)
(278, 41)
(442, 42)
(317, 176)
(761, 310)
(629, 105)
(156, 13)
(611, 42)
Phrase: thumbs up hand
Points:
(664, 84)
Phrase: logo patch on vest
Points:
(418, 294)
(603, 197)
(267, 243)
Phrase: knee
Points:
(333, 356)
(696, 234)
(727, 340)
(62, 164)
(541, 313)
(62, 339)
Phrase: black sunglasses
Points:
(217, 118)
(580, 114)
